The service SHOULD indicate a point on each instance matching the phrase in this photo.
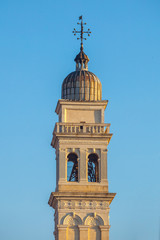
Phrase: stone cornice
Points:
(80, 103)
(55, 196)
(70, 137)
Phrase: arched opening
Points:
(93, 168)
(72, 168)
(72, 223)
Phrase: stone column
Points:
(104, 166)
(82, 164)
(62, 165)
(62, 230)
(104, 232)
(83, 232)
(78, 169)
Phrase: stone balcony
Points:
(81, 128)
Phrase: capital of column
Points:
(61, 233)
(104, 227)
(83, 227)
(83, 232)
(61, 227)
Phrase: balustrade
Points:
(78, 128)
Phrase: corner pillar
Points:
(104, 232)
(104, 166)
(62, 165)
(62, 230)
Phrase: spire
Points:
(81, 59)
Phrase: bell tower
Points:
(81, 199)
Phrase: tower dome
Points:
(82, 85)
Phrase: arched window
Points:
(72, 168)
(93, 168)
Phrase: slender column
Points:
(78, 168)
(104, 232)
(62, 232)
(99, 170)
(83, 232)
(82, 163)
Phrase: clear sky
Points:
(37, 49)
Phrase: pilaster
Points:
(62, 165)
(83, 232)
(104, 232)
(83, 169)
(104, 166)
(62, 231)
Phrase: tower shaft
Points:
(81, 138)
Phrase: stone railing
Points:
(82, 128)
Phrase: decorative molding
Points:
(93, 220)
(71, 219)
(74, 204)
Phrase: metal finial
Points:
(81, 32)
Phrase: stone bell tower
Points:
(81, 199)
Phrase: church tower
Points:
(81, 199)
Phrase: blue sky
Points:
(37, 49)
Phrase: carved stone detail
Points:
(71, 220)
(93, 220)
(82, 204)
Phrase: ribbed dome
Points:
(82, 85)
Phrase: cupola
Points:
(82, 85)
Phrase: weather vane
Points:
(81, 32)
